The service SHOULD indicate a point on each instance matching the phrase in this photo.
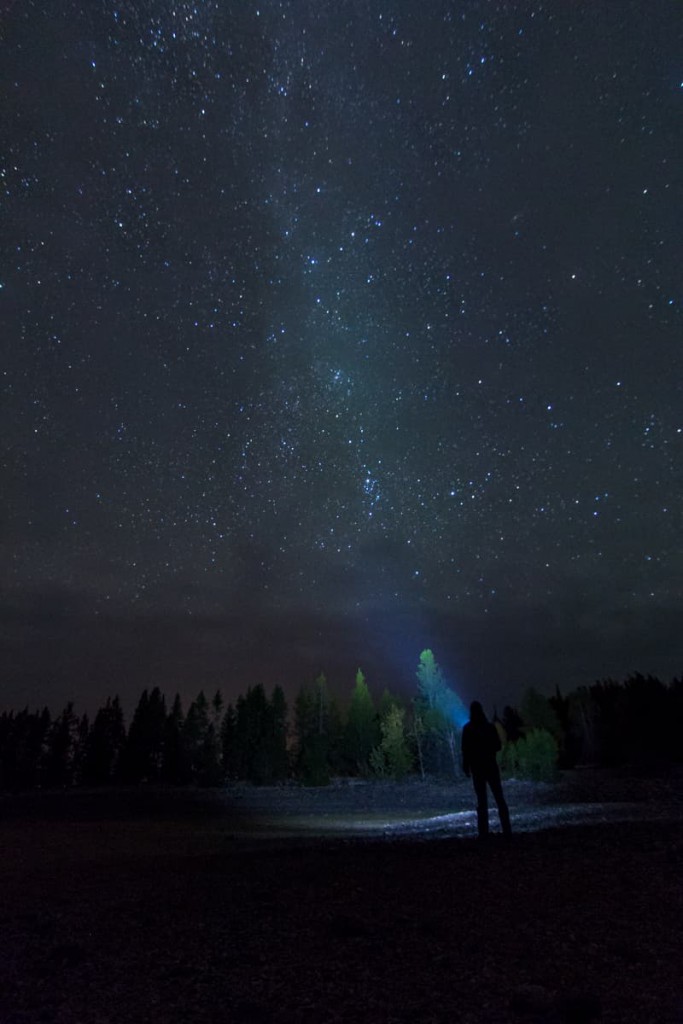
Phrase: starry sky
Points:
(337, 329)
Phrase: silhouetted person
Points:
(480, 744)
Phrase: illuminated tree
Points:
(532, 757)
(392, 758)
(417, 735)
(441, 714)
(538, 713)
(362, 732)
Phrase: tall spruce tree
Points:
(195, 730)
(392, 758)
(278, 735)
(441, 714)
(362, 727)
(175, 763)
(61, 749)
(22, 748)
(105, 743)
(311, 706)
(229, 753)
(142, 756)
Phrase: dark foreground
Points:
(158, 916)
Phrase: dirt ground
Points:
(209, 907)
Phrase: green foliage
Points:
(538, 713)
(437, 710)
(392, 757)
(532, 757)
(362, 732)
(312, 709)
(635, 722)
(387, 701)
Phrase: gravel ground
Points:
(158, 906)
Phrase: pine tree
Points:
(208, 768)
(194, 734)
(217, 710)
(362, 730)
(22, 748)
(105, 743)
(512, 724)
(311, 736)
(442, 715)
(142, 756)
(278, 728)
(538, 713)
(532, 757)
(61, 749)
(392, 758)
(175, 764)
(229, 756)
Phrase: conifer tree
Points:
(278, 729)
(362, 729)
(208, 769)
(442, 715)
(310, 726)
(22, 748)
(216, 713)
(251, 731)
(392, 758)
(175, 765)
(195, 729)
(229, 758)
(142, 755)
(105, 743)
(61, 749)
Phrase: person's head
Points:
(477, 716)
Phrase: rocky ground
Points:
(162, 906)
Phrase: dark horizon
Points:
(69, 654)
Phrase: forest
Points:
(261, 740)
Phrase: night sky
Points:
(337, 329)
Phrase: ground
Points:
(345, 904)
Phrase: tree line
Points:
(263, 740)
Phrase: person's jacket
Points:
(480, 744)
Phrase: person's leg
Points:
(497, 790)
(482, 804)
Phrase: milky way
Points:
(333, 330)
